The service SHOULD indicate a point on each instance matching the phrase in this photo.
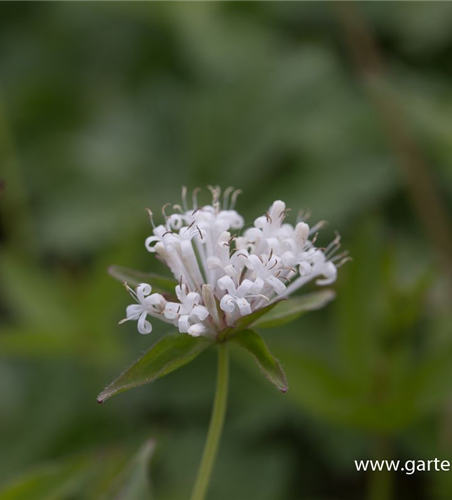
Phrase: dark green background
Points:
(108, 108)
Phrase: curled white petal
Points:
(196, 330)
(330, 274)
(144, 326)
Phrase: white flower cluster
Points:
(223, 276)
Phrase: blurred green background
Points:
(107, 108)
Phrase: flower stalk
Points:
(215, 426)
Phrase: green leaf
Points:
(168, 354)
(52, 481)
(290, 309)
(134, 278)
(133, 483)
(268, 364)
(245, 321)
(252, 318)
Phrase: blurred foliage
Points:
(107, 108)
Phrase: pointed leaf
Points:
(290, 309)
(134, 278)
(134, 481)
(168, 354)
(268, 364)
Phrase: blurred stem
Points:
(419, 177)
(215, 427)
(381, 483)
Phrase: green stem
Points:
(215, 426)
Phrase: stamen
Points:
(343, 261)
(303, 215)
(318, 226)
(335, 242)
(332, 251)
(226, 194)
(339, 256)
(235, 194)
(275, 264)
(132, 292)
(333, 246)
(163, 210)
(216, 191)
(200, 234)
(151, 216)
(258, 295)
(184, 198)
(195, 198)
(285, 213)
(269, 219)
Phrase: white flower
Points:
(187, 314)
(267, 270)
(147, 304)
(223, 275)
(236, 296)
